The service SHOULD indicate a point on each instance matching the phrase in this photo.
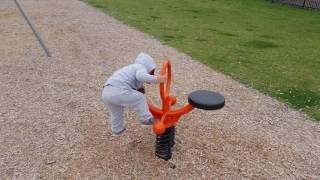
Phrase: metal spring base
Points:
(164, 143)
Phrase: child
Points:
(125, 89)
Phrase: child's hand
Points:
(161, 79)
(142, 90)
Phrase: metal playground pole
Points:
(23, 12)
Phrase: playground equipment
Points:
(35, 32)
(166, 118)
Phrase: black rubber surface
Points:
(207, 100)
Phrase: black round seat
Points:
(207, 100)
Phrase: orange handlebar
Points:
(166, 117)
(165, 91)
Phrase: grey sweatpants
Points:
(117, 99)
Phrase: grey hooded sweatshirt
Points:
(134, 75)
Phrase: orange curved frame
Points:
(165, 117)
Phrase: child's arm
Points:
(143, 76)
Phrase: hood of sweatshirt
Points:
(146, 60)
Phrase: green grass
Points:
(273, 48)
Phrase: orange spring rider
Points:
(166, 118)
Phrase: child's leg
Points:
(141, 107)
(117, 98)
(117, 125)
(111, 97)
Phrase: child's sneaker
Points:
(148, 123)
(118, 133)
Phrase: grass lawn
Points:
(273, 48)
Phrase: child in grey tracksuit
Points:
(122, 90)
